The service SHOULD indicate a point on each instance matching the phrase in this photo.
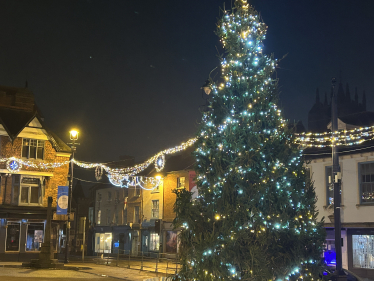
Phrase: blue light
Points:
(330, 257)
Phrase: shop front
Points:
(21, 239)
(103, 239)
(361, 252)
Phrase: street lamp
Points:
(73, 137)
(339, 274)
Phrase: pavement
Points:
(12, 271)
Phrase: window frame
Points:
(27, 231)
(154, 241)
(38, 141)
(109, 219)
(98, 217)
(360, 164)
(156, 189)
(19, 236)
(136, 208)
(179, 182)
(137, 191)
(327, 185)
(19, 185)
(154, 210)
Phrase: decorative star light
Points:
(13, 165)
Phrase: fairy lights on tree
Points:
(255, 217)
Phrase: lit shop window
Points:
(103, 242)
(363, 251)
(35, 235)
(12, 236)
(154, 242)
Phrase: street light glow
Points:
(74, 134)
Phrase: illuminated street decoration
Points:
(13, 165)
(146, 183)
(160, 163)
(305, 140)
(99, 173)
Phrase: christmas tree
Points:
(255, 217)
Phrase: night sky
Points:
(128, 73)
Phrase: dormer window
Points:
(32, 149)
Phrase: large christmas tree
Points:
(255, 217)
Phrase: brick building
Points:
(24, 190)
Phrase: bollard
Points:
(141, 268)
(158, 255)
(117, 257)
(176, 265)
(129, 259)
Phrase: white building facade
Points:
(357, 205)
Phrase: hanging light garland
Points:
(339, 138)
(14, 164)
(158, 160)
(118, 175)
(146, 183)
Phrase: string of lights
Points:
(327, 139)
(158, 160)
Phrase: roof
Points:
(58, 144)
(14, 120)
(364, 118)
(183, 160)
(17, 110)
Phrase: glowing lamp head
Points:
(74, 134)
(158, 177)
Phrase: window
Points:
(181, 182)
(363, 251)
(116, 218)
(137, 191)
(109, 196)
(98, 197)
(155, 209)
(32, 149)
(154, 242)
(136, 214)
(156, 189)
(329, 186)
(124, 217)
(108, 217)
(90, 215)
(117, 196)
(366, 174)
(12, 236)
(103, 242)
(98, 216)
(35, 234)
(30, 191)
(27, 190)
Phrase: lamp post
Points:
(73, 137)
(336, 178)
